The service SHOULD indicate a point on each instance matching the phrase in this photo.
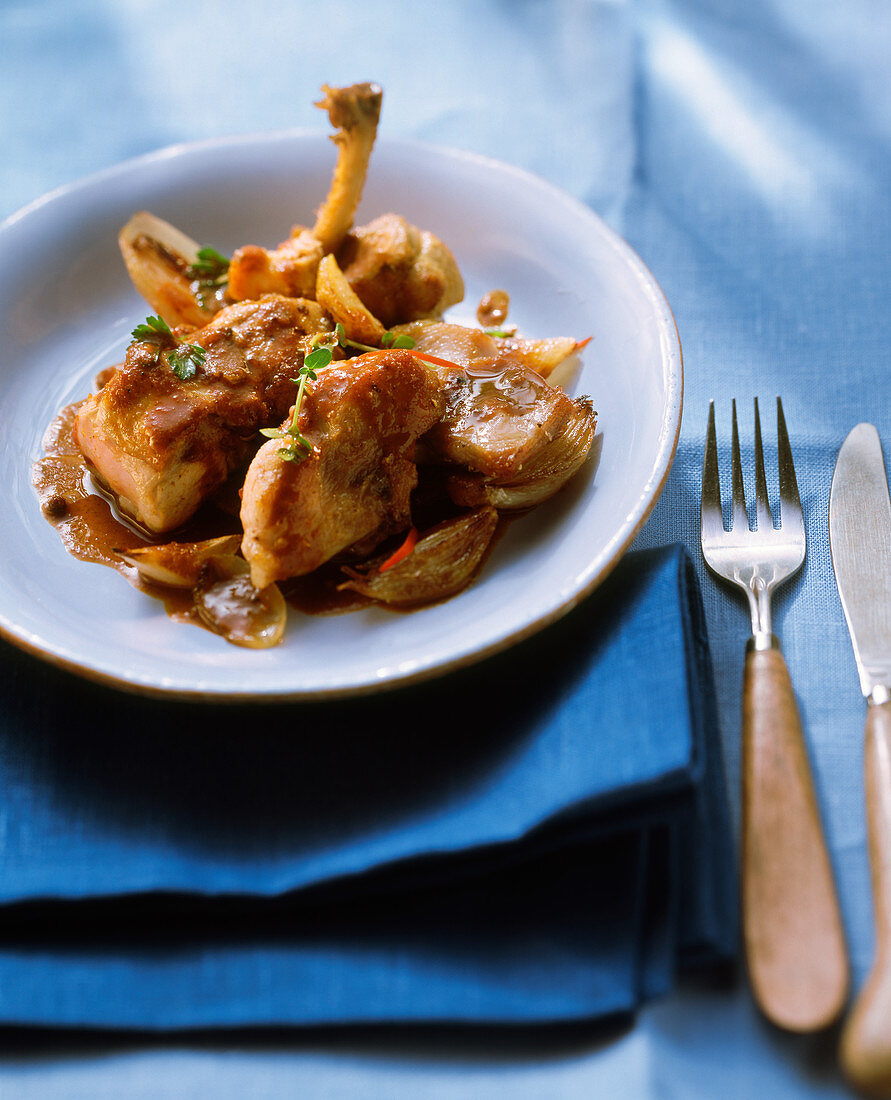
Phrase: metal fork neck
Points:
(758, 595)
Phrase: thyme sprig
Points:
(299, 447)
(339, 338)
(184, 358)
(322, 354)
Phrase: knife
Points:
(860, 539)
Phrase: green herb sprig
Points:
(340, 339)
(298, 446)
(184, 358)
(210, 270)
(392, 340)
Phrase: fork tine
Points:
(762, 504)
(712, 520)
(740, 515)
(790, 502)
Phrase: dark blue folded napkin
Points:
(540, 838)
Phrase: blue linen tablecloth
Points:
(743, 150)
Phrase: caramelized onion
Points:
(442, 563)
(177, 564)
(158, 257)
(548, 470)
(231, 606)
(335, 294)
(542, 356)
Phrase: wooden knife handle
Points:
(792, 929)
(866, 1039)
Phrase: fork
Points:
(792, 930)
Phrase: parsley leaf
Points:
(155, 330)
(209, 265)
(392, 340)
(317, 359)
(299, 447)
(184, 359)
(339, 338)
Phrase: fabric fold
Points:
(540, 838)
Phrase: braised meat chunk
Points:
(400, 273)
(362, 419)
(291, 268)
(354, 113)
(163, 444)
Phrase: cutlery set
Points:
(793, 934)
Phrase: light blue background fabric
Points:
(743, 150)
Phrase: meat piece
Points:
(291, 268)
(362, 418)
(354, 112)
(400, 273)
(163, 444)
(547, 469)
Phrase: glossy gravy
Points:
(93, 528)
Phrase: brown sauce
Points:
(71, 501)
(319, 593)
(94, 529)
(493, 307)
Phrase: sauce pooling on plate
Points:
(94, 529)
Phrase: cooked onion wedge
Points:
(158, 257)
(554, 359)
(230, 605)
(177, 564)
(335, 294)
(442, 563)
(547, 471)
(542, 356)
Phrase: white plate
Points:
(67, 308)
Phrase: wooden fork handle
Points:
(866, 1039)
(792, 928)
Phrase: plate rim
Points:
(673, 373)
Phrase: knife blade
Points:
(860, 541)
